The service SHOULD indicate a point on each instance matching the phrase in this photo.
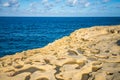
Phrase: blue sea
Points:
(23, 33)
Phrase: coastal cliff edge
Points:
(86, 54)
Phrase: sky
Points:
(72, 8)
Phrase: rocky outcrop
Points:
(87, 54)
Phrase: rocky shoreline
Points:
(87, 54)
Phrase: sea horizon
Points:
(62, 16)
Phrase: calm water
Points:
(18, 34)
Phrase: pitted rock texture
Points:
(87, 54)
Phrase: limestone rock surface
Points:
(86, 54)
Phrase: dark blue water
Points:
(23, 33)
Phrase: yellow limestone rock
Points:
(48, 75)
(87, 54)
(100, 76)
(21, 76)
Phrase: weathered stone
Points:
(87, 54)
